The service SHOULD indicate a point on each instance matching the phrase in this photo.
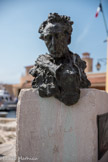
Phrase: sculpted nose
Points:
(53, 40)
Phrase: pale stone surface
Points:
(49, 131)
(7, 140)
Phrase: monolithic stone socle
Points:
(49, 131)
(61, 72)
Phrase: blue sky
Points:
(19, 38)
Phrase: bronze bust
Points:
(61, 72)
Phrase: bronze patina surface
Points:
(61, 72)
(102, 121)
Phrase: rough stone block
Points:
(49, 131)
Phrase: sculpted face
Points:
(56, 39)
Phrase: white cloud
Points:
(83, 34)
(85, 30)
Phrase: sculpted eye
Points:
(56, 35)
(65, 32)
(48, 37)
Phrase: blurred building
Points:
(25, 82)
(97, 79)
(89, 62)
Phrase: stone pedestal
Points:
(49, 131)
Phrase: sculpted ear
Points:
(69, 40)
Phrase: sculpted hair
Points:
(55, 18)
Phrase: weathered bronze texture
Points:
(61, 72)
(102, 121)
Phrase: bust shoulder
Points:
(77, 59)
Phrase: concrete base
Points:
(49, 131)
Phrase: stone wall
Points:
(49, 131)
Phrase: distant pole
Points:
(106, 88)
(107, 69)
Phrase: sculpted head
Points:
(56, 32)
